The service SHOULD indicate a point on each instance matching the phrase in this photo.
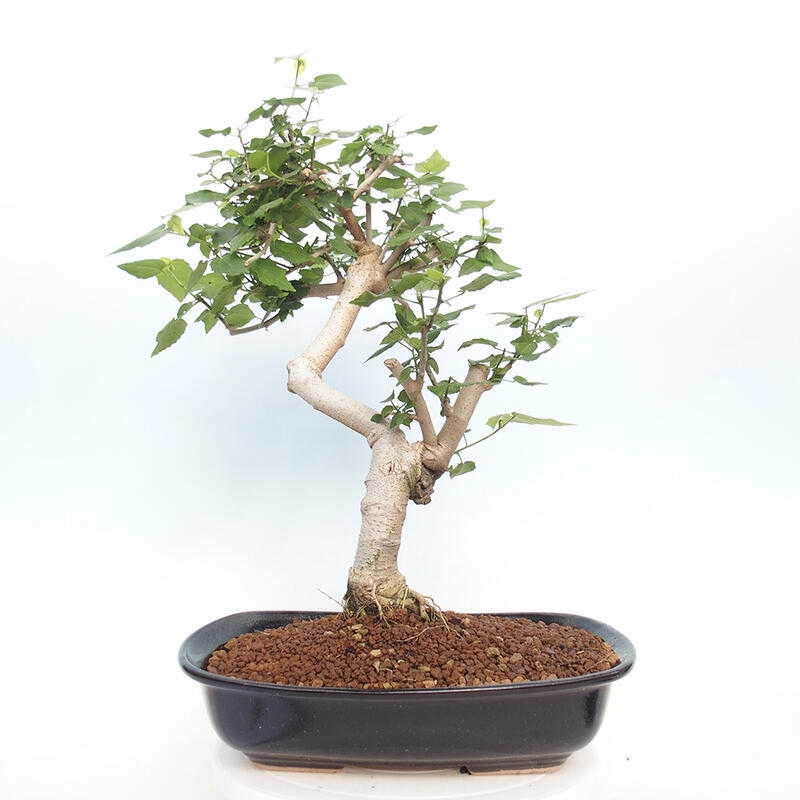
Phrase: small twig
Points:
(271, 228)
(257, 327)
(200, 299)
(244, 154)
(368, 222)
(395, 255)
(369, 181)
(423, 261)
(270, 183)
(394, 230)
(425, 331)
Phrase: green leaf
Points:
(290, 251)
(211, 285)
(400, 418)
(525, 344)
(351, 152)
(392, 187)
(471, 265)
(174, 277)
(406, 282)
(490, 257)
(146, 268)
(208, 318)
(559, 298)
(264, 207)
(446, 387)
(447, 189)
(401, 173)
(312, 275)
(197, 273)
(271, 274)
(402, 237)
(366, 299)
(239, 315)
(269, 161)
(564, 322)
(175, 225)
(327, 81)
(471, 342)
(151, 236)
(204, 196)
(342, 247)
(465, 204)
(169, 334)
(501, 420)
(482, 281)
(211, 132)
(228, 264)
(424, 131)
(526, 382)
(461, 469)
(223, 299)
(435, 163)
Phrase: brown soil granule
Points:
(403, 651)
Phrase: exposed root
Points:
(425, 607)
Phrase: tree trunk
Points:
(375, 581)
(399, 471)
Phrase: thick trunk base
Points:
(375, 600)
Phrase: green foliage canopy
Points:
(289, 199)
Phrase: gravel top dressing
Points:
(403, 651)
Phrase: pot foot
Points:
(538, 769)
(282, 768)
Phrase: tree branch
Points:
(305, 371)
(368, 222)
(200, 299)
(271, 228)
(250, 328)
(351, 223)
(326, 289)
(395, 255)
(369, 181)
(437, 458)
(414, 391)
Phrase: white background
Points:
(645, 151)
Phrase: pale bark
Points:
(305, 372)
(437, 457)
(399, 471)
(375, 580)
(413, 388)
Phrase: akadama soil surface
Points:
(403, 651)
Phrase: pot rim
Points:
(622, 646)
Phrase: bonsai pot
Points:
(527, 726)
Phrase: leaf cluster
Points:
(290, 200)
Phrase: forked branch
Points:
(413, 388)
(437, 458)
(369, 181)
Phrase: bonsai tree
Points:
(303, 213)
